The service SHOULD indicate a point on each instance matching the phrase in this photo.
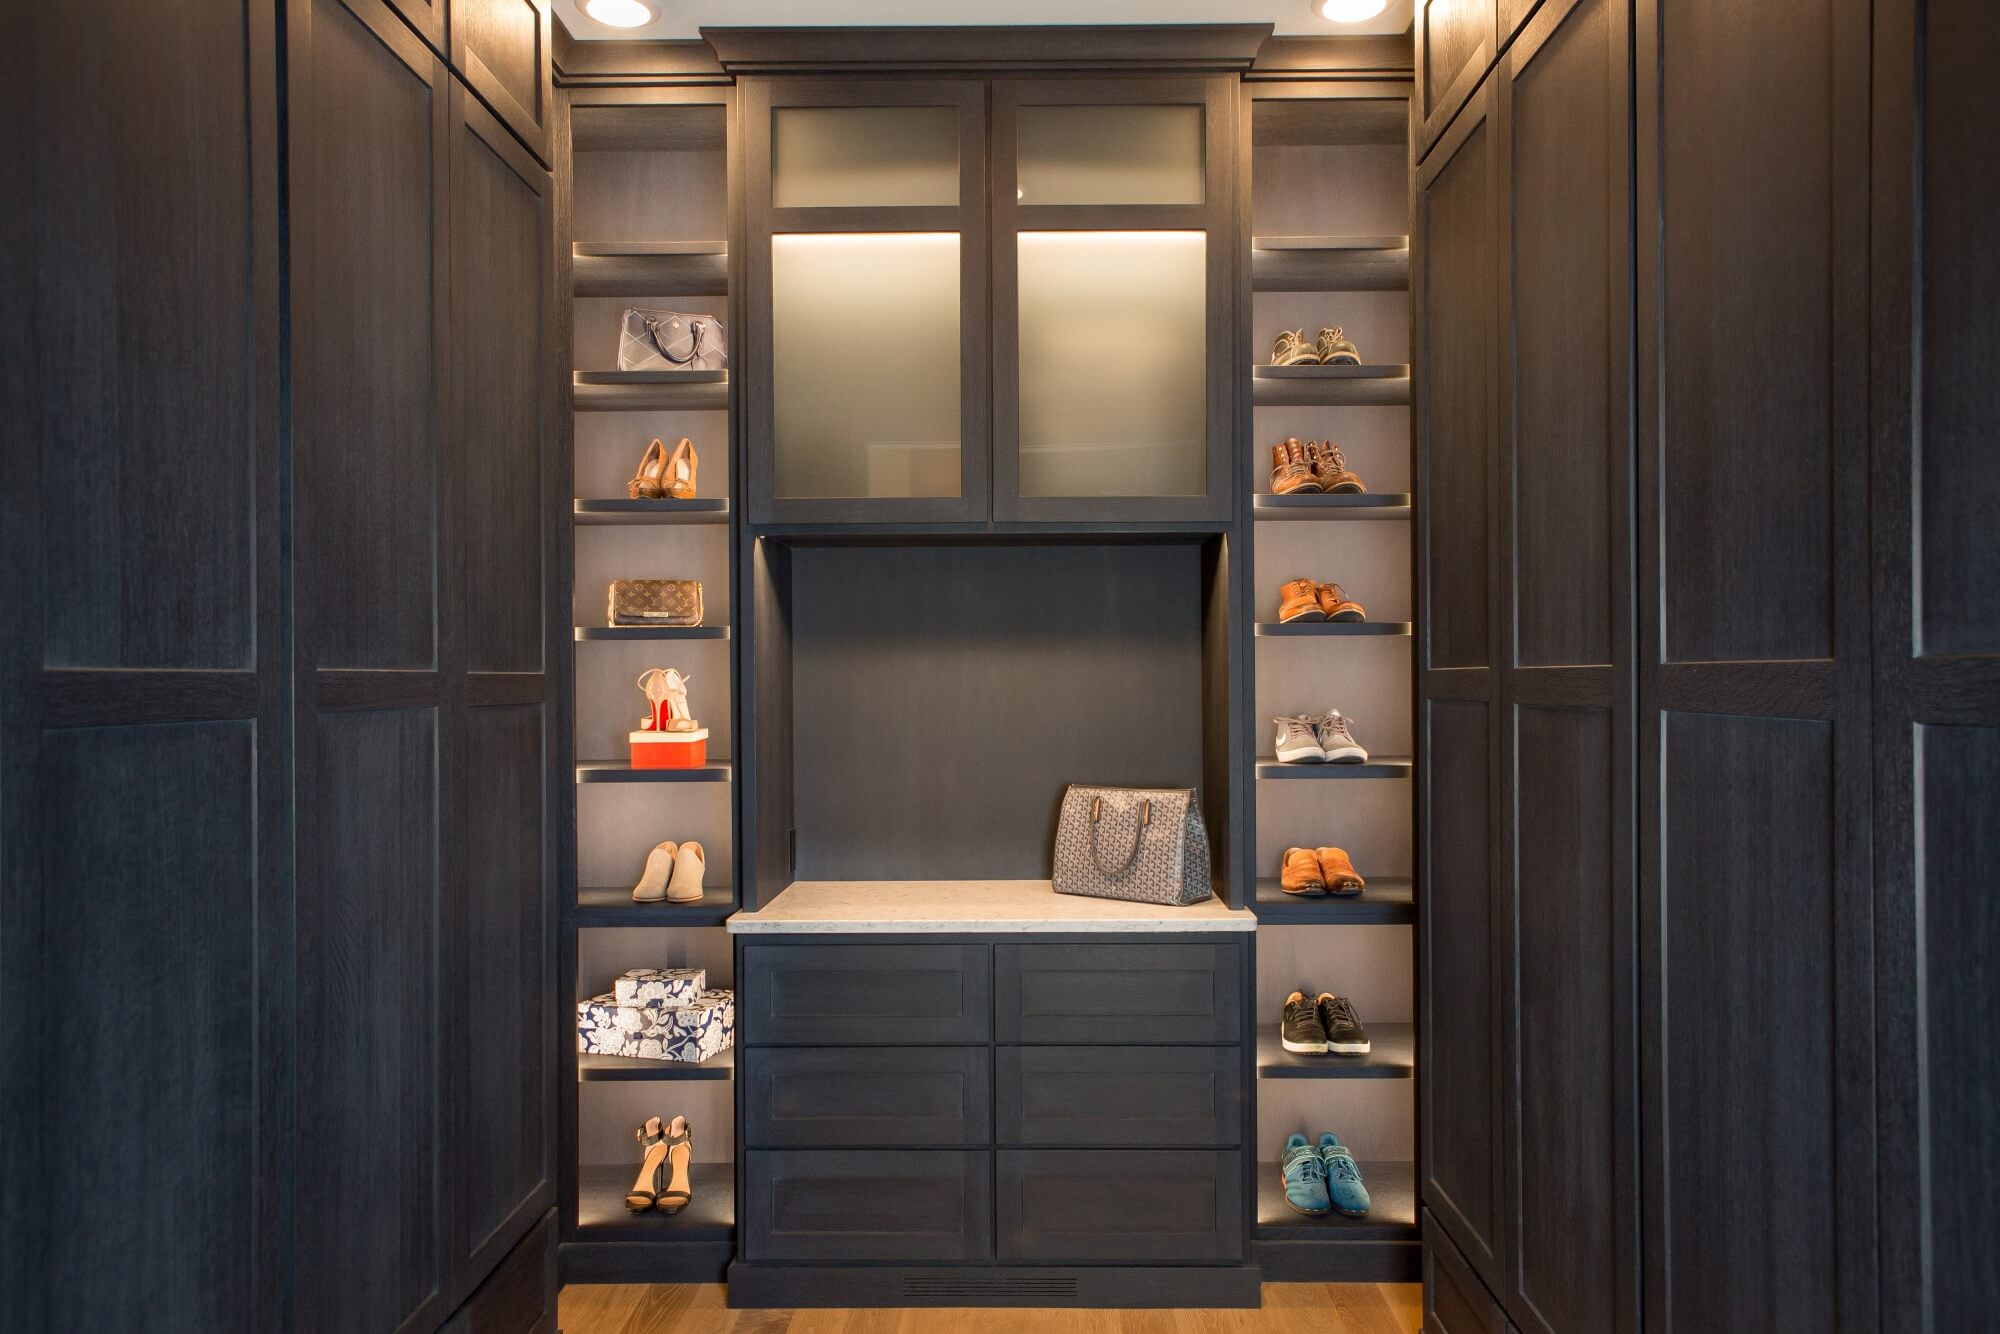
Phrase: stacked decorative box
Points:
(658, 1014)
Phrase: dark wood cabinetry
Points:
(1456, 41)
(501, 48)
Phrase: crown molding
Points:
(1216, 48)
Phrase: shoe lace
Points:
(1335, 459)
(1343, 1167)
(1336, 724)
(1296, 728)
(1341, 1011)
(1306, 1167)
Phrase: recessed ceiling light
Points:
(1348, 11)
(631, 13)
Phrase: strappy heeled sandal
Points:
(681, 467)
(647, 483)
(680, 1157)
(653, 1147)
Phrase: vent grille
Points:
(954, 1290)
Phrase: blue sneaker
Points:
(1343, 1176)
(1305, 1178)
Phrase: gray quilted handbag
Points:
(1146, 844)
(669, 340)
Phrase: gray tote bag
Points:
(1145, 844)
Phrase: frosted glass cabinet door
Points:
(865, 365)
(864, 157)
(1109, 155)
(1113, 363)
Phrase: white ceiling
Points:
(685, 18)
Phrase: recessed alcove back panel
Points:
(945, 696)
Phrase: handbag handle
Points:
(694, 332)
(1096, 858)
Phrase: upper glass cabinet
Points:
(1113, 394)
(867, 306)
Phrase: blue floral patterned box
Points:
(657, 1032)
(660, 986)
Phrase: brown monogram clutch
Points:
(673, 602)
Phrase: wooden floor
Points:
(1289, 1308)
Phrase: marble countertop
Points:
(895, 907)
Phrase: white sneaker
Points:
(1336, 739)
(1298, 742)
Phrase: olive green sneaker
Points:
(1333, 349)
(1292, 349)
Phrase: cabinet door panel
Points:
(1119, 1206)
(1455, 1302)
(913, 1206)
(1455, 42)
(502, 49)
(819, 995)
(1118, 993)
(1131, 1096)
(808, 1097)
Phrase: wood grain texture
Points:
(932, 1205)
(501, 48)
(1456, 41)
(1109, 1206)
(1289, 1308)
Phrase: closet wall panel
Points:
(1754, 773)
(144, 855)
(1936, 330)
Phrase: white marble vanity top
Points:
(894, 907)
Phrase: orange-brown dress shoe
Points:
(1337, 871)
(1337, 606)
(1299, 600)
(1301, 873)
(1291, 470)
(1329, 469)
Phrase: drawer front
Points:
(1135, 1097)
(921, 1205)
(1062, 1206)
(844, 995)
(1118, 993)
(808, 1097)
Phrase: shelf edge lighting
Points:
(619, 13)
(1348, 11)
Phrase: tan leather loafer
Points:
(1301, 873)
(1299, 600)
(1338, 872)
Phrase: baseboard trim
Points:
(643, 1262)
(757, 1286)
(1340, 1261)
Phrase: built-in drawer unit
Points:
(838, 995)
(1133, 1097)
(866, 1097)
(914, 1205)
(1118, 992)
(1131, 1206)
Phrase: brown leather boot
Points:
(1290, 469)
(1329, 469)
(1301, 873)
(1298, 600)
(1337, 606)
(1337, 871)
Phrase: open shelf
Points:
(1388, 901)
(1329, 386)
(669, 128)
(1378, 766)
(628, 391)
(621, 771)
(1307, 629)
(1318, 505)
(1330, 263)
(650, 268)
(710, 1214)
(1392, 1208)
(1394, 1056)
(652, 632)
(612, 905)
(591, 1068)
(650, 511)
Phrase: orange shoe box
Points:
(670, 750)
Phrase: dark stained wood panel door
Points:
(503, 50)
(1568, 914)
(145, 888)
(1456, 41)
(1936, 485)
(1756, 1023)
(1455, 286)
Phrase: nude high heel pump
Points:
(681, 467)
(652, 886)
(690, 862)
(679, 1144)
(653, 1147)
(649, 483)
